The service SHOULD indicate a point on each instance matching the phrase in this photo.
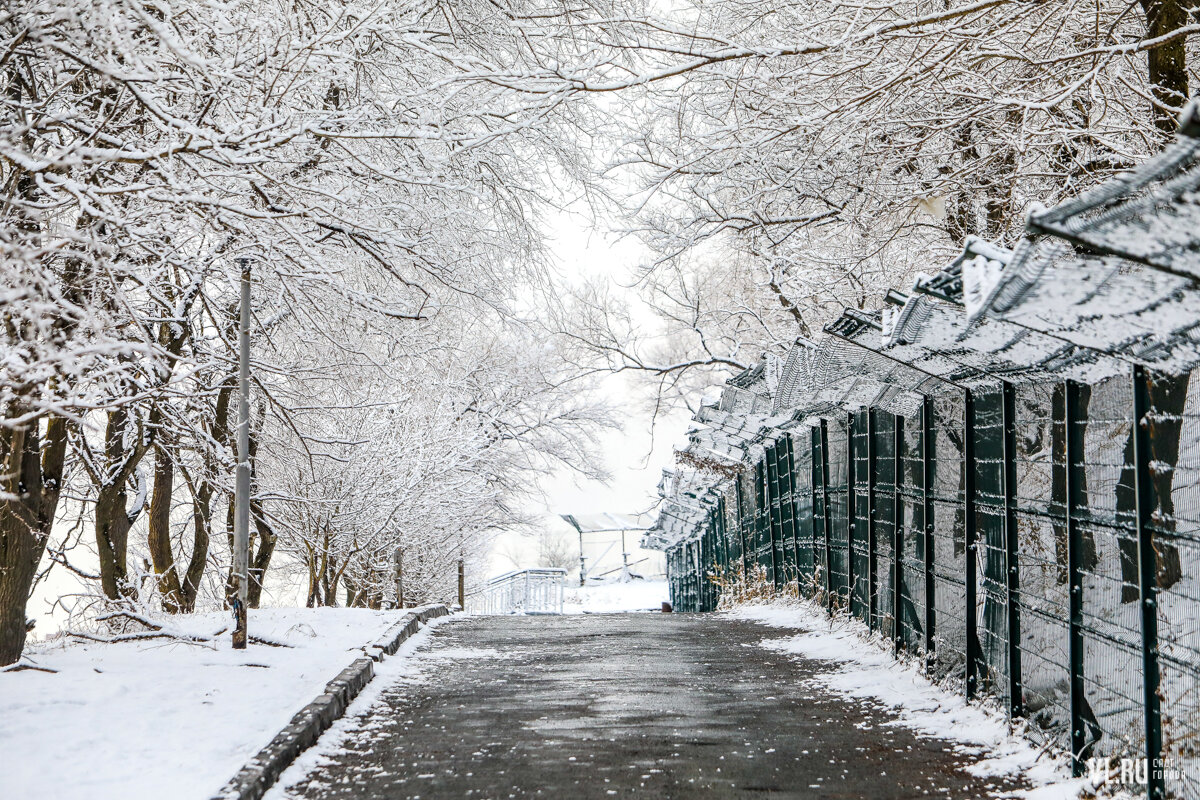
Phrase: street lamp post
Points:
(582, 562)
(241, 519)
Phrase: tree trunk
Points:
(1167, 63)
(1168, 396)
(262, 529)
(230, 512)
(159, 538)
(960, 204)
(113, 519)
(262, 559)
(331, 584)
(30, 483)
(314, 586)
(112, 538)
(202, 533)
(998, 195)
(171, 335)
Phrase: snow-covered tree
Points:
(827, 149)
(350, 150)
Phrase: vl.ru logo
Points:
(1128, 771)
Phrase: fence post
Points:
(815, 482)
(872, 550)
(1147, 583)
(824, 434)
(1008, 416)
(898, 533)
(969, 615)
(927, 454)
(1074, 455)
(851, 512)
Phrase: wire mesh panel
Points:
(783, 552)
(764, 554)
(713, 561)
(1040, 494)
(949, 535)
(679, 575)
(990, 513)
(883, 560)
(822, 578)
(730, 524)
(910, 494)
(773, 513)
(787, 527)
(1175, 452)
(802, 511)
(744, 496)
(860, 556)
(839, 462)
(1112, 662)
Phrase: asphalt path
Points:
(627, 705)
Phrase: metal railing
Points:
(526, 591)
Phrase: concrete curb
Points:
(260, 773)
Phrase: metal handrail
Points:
(525, 591)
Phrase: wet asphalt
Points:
(628, 705)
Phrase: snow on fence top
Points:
(1099, 283)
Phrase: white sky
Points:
(584, 252)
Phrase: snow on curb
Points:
(868, 672)
(264, 769)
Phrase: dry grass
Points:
(738, 587)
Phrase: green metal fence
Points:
(1037, 542)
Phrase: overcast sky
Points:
(583, 252)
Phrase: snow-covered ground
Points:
(607, 598)
(867, 670)
(158, 718)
